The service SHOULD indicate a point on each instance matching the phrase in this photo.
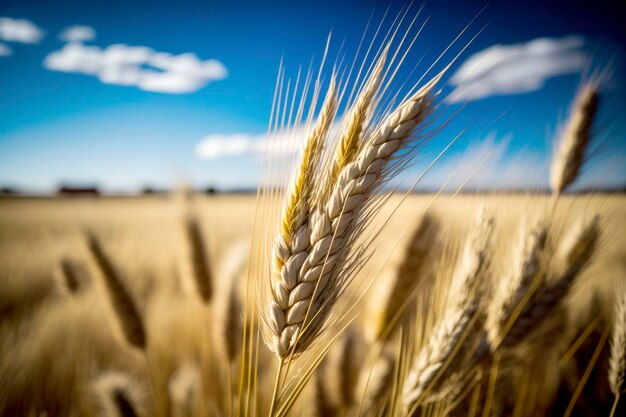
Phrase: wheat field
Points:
(55, 343)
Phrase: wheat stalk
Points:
(195, 264)
(375, 384)
(525, 266)
(617, 362)
(573, 255)
(115, 394)
(310, 281)
(392, 293)
(340, 372)
(569, 158)
(185, 389)
(443, 345)
(126, 311)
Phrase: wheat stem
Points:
(614, 406)
(586, 374)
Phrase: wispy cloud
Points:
(5, 50)
(78, 33)
(288, 142)
(488, 164)
(19, 30)
(137, 66)
(516, 69)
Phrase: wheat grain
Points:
(572, 148)
(124, 306)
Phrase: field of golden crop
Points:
(144, 238)
(54, 345)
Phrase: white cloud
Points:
(19, 30)
(5, 50)
(279, 144)
(220, 146)
(137, 66)
(78, 33)
(516, 69)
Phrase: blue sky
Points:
(71, 113)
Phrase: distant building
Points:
(77, 191)
(8, 191)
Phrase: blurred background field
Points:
(143, 234)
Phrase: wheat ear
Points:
(289, 250)
(228, 308)
(525, 267)
(574, 141)
(293, 236)
(184, 389)
(310, 284)
(196, 266)
(376, 383)
(71, 276)
(126, 311)
(617, 363)
(349, 142)
(115, 394)
(392, 293)
(436, 357)
(573, 255)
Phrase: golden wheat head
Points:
(441, 354)
(573, 144)
(124, 306)
(311, 268)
